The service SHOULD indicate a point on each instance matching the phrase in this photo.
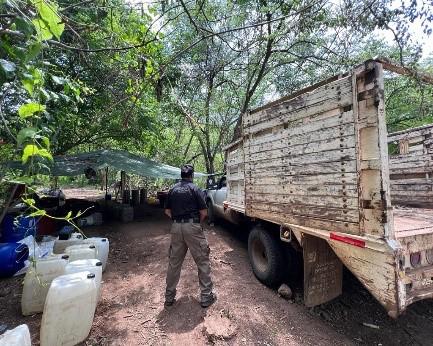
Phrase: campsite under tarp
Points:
(71, 165)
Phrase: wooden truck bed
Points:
(412, 221)
(316, 163)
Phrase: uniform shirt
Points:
(185, 200)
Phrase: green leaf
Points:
(46, 142)
(39, 212)
(26, 133)
(29, 109)
(48, 12)
(24, 25)
(33, 50)
(28, 85)
(43, 32)
(7, 68)
(68, 216)
(29, 201)
(45, 153)
(29, 150)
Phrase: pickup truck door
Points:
(220, 195)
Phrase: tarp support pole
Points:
(106, 181)
(122, 184)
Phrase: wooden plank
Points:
(410, 170)
(301, 169)
(412, 194)
(280, 149)
(409, 158)
(323, 224)
(395, 166)
(395, 189)
(312, 139)
(300, 92)
(374, 197)
(279, 177)
(300, 190)
(415, 181)
(330, 201)
(343, 154)
(415, 132)
(412, 199)
(321, 212)
(302, 113)
(336, 90)
(322, 121)
(406, 71)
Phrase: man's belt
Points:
(186, 220)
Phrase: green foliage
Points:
(76, 77)
(49, 22)
(29, 109)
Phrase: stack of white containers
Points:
(66, 287)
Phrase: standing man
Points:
(186, 206)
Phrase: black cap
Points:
(92, 246)
(98, 264)
(91, 276)
(65, 257)
(186, 171)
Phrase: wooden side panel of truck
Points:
(411, 167)
(316, 163)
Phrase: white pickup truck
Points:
(312, 170)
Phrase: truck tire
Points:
(266, 257)
(210, 212)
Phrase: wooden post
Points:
(106, 181)
(372, 151)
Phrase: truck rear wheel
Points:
(266, 257)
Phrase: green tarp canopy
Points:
(70, 165)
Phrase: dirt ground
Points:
(131, 310)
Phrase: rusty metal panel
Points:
(323, 272)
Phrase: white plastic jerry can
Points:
(61, 245)
(82, 251)
(92, 265)
(19, 336)
(38, 280)
(69, 309)
(103, 248)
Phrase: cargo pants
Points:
(190, 236)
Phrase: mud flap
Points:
(323, 272)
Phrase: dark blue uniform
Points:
(185, 199)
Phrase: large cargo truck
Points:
(312, 170)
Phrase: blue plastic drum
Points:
(14, 228)
(12, 258)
